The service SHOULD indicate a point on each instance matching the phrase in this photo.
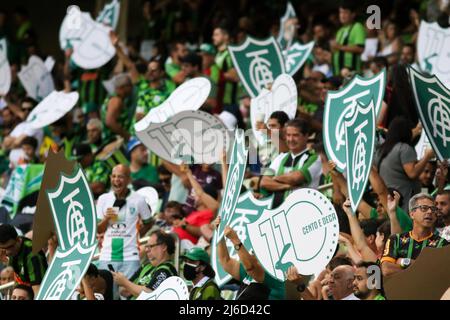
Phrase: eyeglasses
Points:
(151, 246)
(425, 208)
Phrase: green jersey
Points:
(227, 92)
(208, 290)
(29, 268)
(98, 172)
(125, 116)
(147, 173)
(350, 35)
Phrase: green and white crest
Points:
(284, 33)
(110, 14)
(296, 55)
(433, 103)
(433, 50)
(74, 215)
(360, 141)
(233, 184)
(65, 273)
(339, 104)
(73, 211)
(302, 232)
(248, 210)
(258, 63)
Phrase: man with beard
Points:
(361, 283)
(401, 250)
(443, 214)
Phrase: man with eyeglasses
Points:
(159, 249)
(401, 250)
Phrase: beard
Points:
(361, 294)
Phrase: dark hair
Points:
(92, 271)
(165, 238)
(281, 117)
(348, 5)
(26, 288)
(193, 59)
(411, 46)
(209, 271)
(385, 228)
(175, 205)
(369, 227)
(173, 45)
(380, 62)
(30, 141)
(7, 232)
(319, 147)
(399, 131)
(444, 192)
(367, 265)
(300, 124)
(339, 261)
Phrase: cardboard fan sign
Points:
(55, 106)
(89, 39)
(433, 51)
(281, 97)
(173, 288)
(65, 205)
(233, 185)
(302, 232)
(341, 104)
(36, 79)
(432, 99)
(426, 279)
(248, 210)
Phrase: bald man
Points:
(118, 215)
(341, 283)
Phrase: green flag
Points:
(360, 142)
(339, 104)
(21, 191)
(433, 103)
(248, 209)
(74, 215)
(296, 56)
(258, 63)
(235, 176)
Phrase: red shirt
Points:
(198, 219)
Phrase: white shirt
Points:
(315, 169)
(351, 297)
(121, 237)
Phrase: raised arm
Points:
(123, 58)
(358, 235)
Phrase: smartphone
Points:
(111, 268)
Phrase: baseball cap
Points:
(133, 143)
(197, 254)
(208, 48)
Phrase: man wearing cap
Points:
(197, 268)
(139, 166)
(97, 172)
(209, 66)
(191, 65)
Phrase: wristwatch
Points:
(405, 262)
(301, 287)
(238, 246)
